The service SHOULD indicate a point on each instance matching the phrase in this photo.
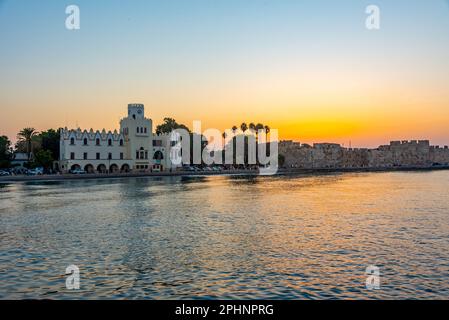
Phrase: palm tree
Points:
(224, 135)
(244, 127)
(259, 126)
(267, 129)
(252, 126)
(234, 130)
(26, 135)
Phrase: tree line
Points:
(170, 124)
(41, 148)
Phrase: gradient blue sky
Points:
(308, 68)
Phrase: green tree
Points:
(50, 142)
(267, 129)
(43, 158)
(169, 125)
(22, 145)
(5, 152)
(252, 127)
(259, 126)
(26, 136)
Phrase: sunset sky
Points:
(308, 68)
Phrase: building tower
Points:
(137, 132)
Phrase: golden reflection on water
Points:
(280, 237)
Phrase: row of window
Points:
(97, 156)
(97, 142)
(156, 143)
(138, 130)
(141, 129)
(141, 154)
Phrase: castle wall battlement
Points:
(413, 153)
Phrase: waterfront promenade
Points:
(292, 171)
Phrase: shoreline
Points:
(281, 172)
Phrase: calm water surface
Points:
(301, 237)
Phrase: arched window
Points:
(109, 142)
(145, 129)
(138, 130)
(72, 141)
(97, 141)
(121, 142)
(85, 141)
(158, 155)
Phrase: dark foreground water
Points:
(228, 237)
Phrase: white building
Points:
(19, 159)
(133, 148)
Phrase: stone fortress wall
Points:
(330, 155)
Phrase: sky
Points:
(309, 68)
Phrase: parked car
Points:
(77, 171)
(35, 171)
(20, 171)
(4, 173)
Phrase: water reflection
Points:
(227, 237)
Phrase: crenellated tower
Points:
(137, 132)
